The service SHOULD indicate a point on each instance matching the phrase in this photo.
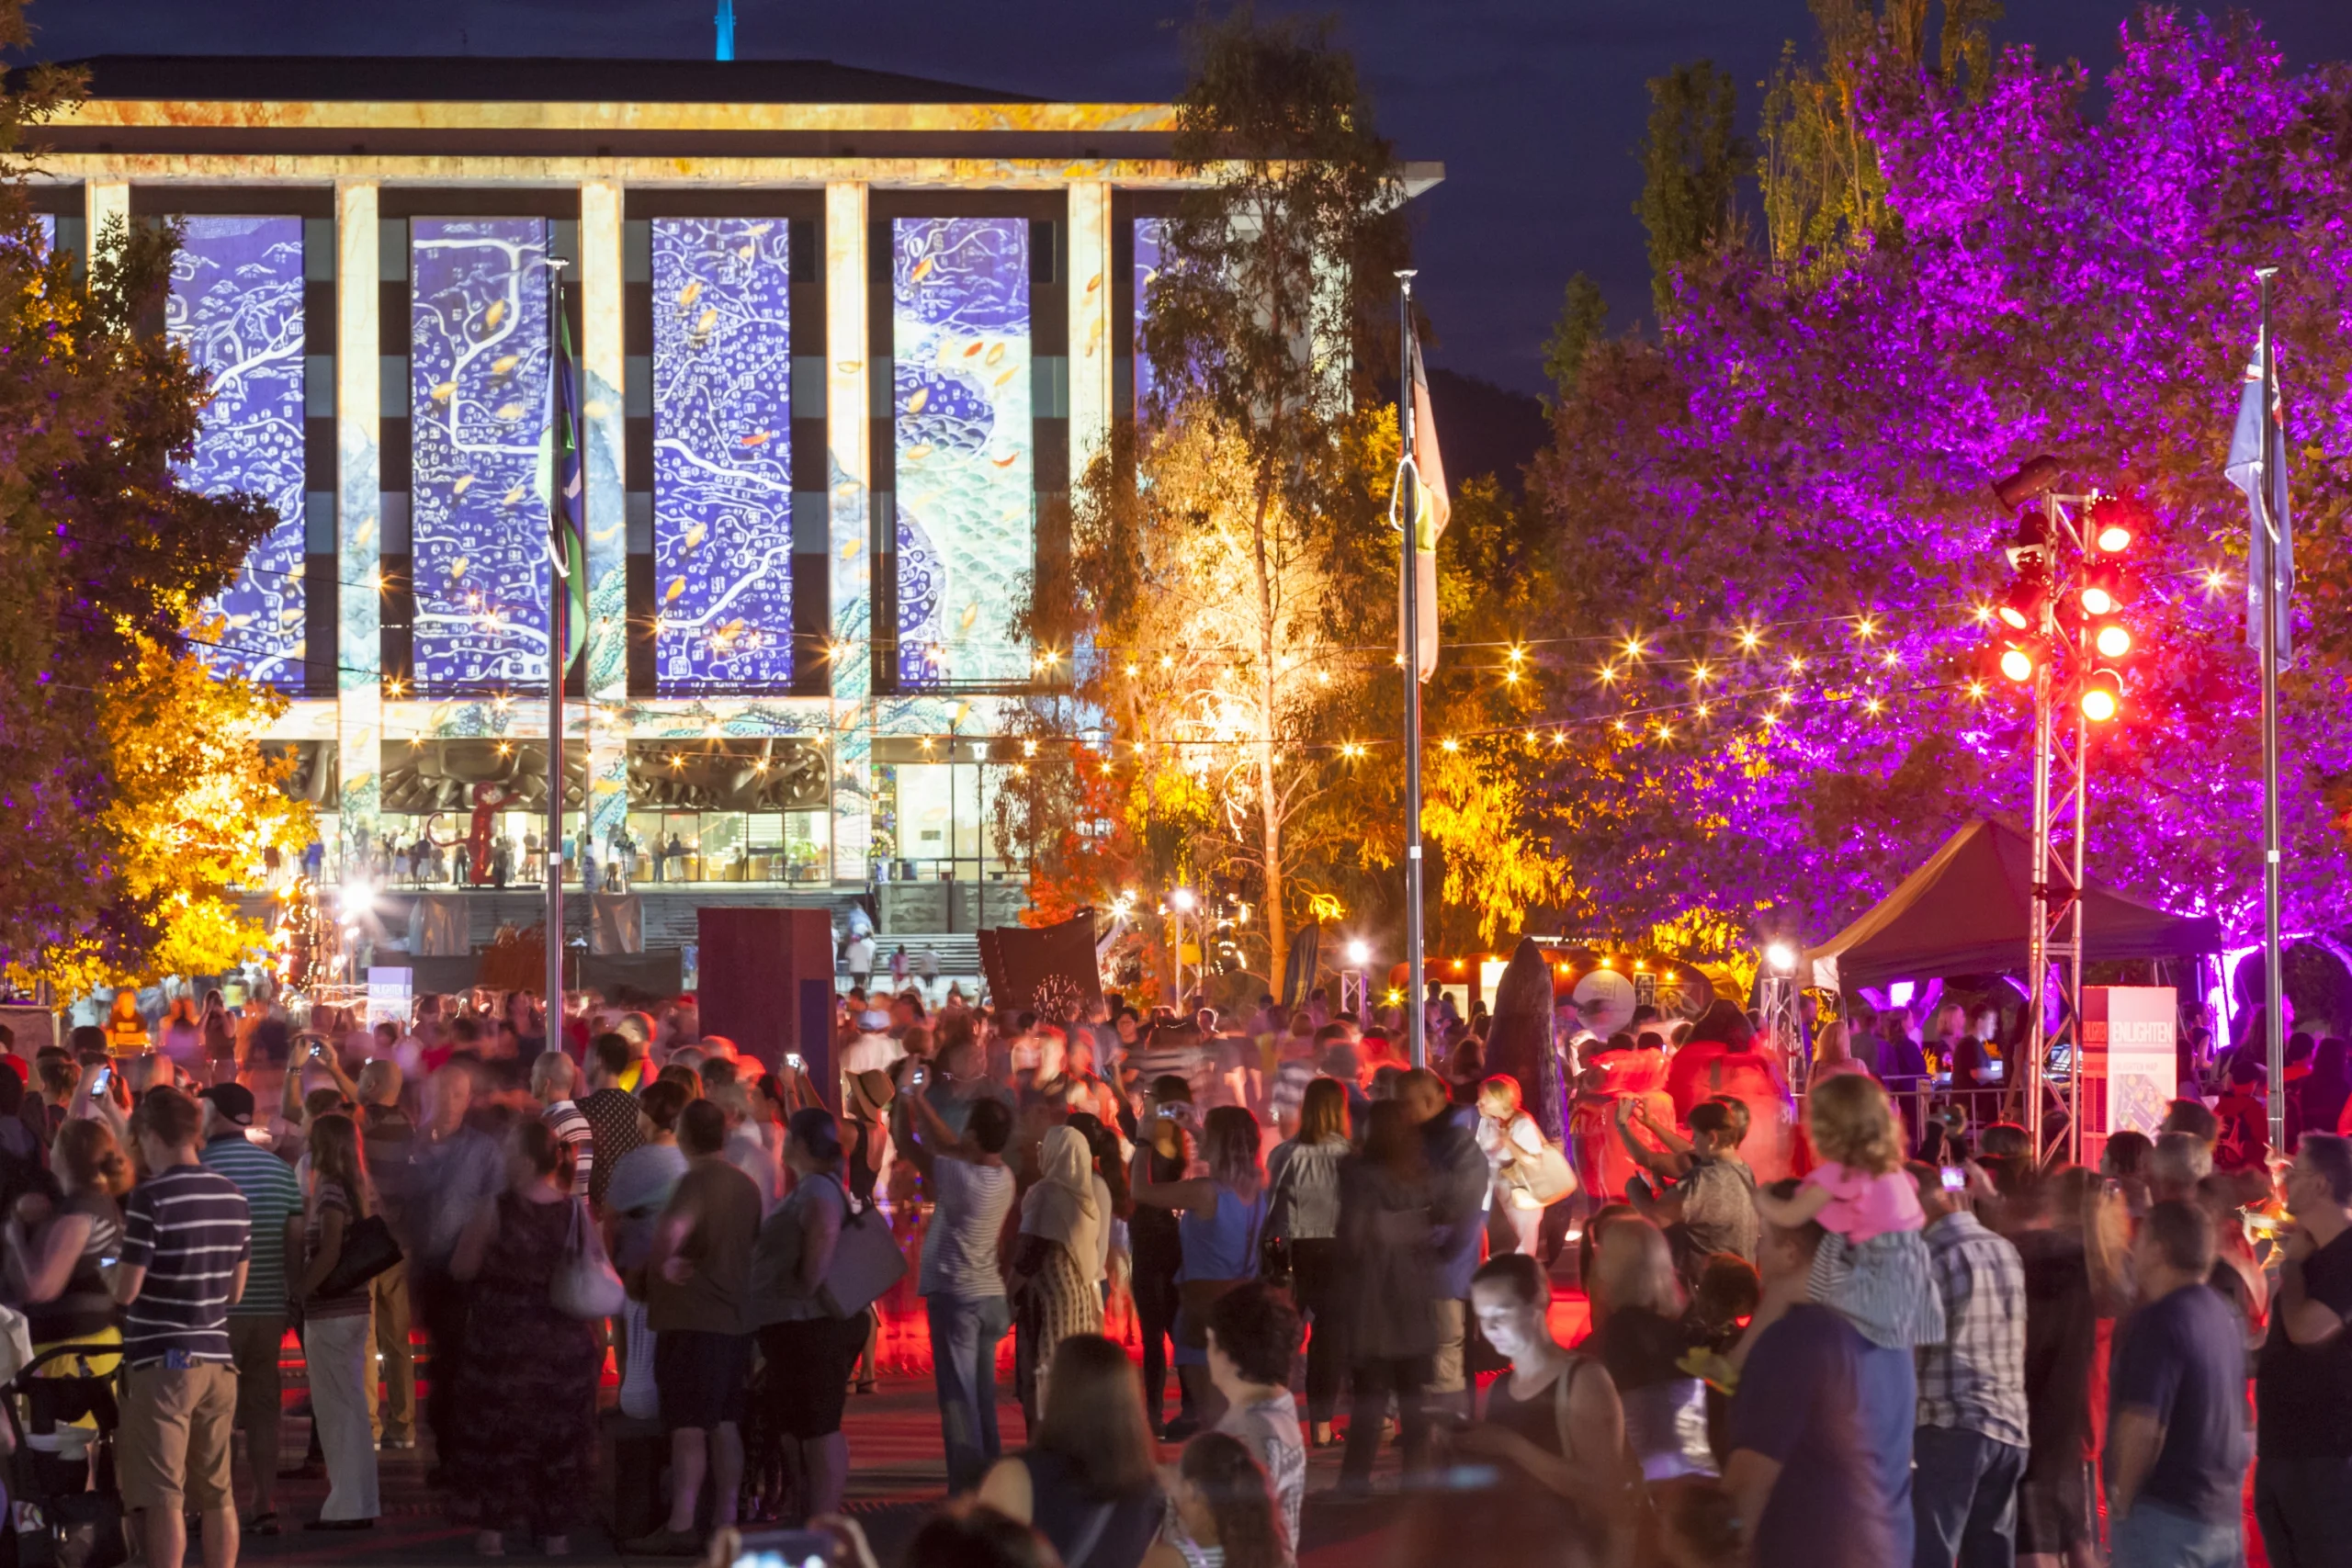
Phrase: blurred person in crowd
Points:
(1065, 1241)
(1222, 1513)
(1459, 1190)
(1821, 1426)
(1089, 1480)
(1253, 1338)
(335, 1325)
(524, 1413)
(1221, 1220)
(697, 1287)
(1708, 1207)
(2303, 1485)
(642, 1183)
(806, 1352)
(187, 1250)
(1163, 1148)
(962, 1289)
(2176, 1438)
(554, 1083)
(1387, 1239)
(2045, 1222)
(461, 1168)
(255, 1323)
(1303, 1216)
(1555, 1417)
(1640, 1338)
(1970, 1450)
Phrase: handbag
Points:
(1549, 1175)
(866, 1261)
(584, 1285)
(1275, 1269)
(368, 1250)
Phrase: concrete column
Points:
(849, 472)
(358, 414)
(107, 198)
(1090, 323)
(605, 455)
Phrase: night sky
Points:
(1533, 106)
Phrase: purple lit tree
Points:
(1806, 454)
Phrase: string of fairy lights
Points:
(1856, 677)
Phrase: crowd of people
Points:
(1822, 1335)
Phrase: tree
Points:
(1808, 455)
(1583, 314)
(1690, 167)
(104, 559)
(1823, 195)
(1267, 316)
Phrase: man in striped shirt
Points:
(257, 1325)
(186, 1248)
(553, 1082)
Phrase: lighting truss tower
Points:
(2072, 688)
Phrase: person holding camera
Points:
(256, 1320)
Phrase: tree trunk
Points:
(1268, 797)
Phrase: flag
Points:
(567, 548)
(1432, 509)
(2257, 466)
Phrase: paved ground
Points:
(897, 1471)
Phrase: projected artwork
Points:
(1148, 232)
(722, 452)
(236, 307)
(967, 521)
(478, 393)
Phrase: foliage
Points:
(1806, 453)
(103, 559)
(1265, 320)
(1824, 196)
(1582, 316)
(1690, 166)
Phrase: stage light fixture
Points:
(2021, 611)
(2113, 641)
(2037, 479)
(2017, 664)
(2102, 696)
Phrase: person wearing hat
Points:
(257, 1318)
(872, 1050)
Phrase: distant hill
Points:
(1486, 429)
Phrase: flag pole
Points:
(2273, 1026)
(558, 606)
(1408, 505)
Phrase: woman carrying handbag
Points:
(526, 1393)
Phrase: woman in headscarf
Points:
(1064, 1238)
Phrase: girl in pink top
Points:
(1873, 1265)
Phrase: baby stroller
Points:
(64, 1508)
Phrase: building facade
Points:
(843, 340)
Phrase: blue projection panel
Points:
(478, 391)
(723, 453)
(235, 307)
(1149, 239)
(966, 501)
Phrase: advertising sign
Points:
(2128, 1039)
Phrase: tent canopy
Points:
(1966, 911)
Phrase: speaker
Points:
(767, 985)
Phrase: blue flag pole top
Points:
(2257, 466)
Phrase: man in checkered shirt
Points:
(1969, 1450)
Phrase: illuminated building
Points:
(844, 336)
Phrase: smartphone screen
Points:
(1955, 1178)
(786, 1548)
